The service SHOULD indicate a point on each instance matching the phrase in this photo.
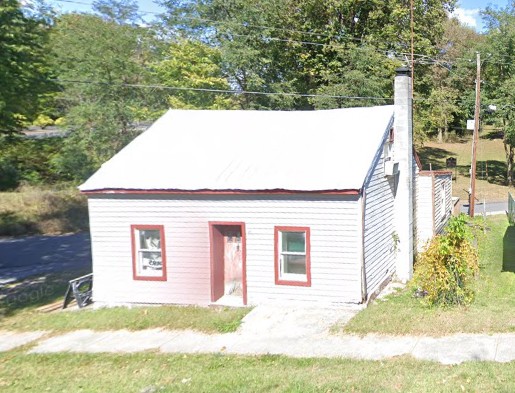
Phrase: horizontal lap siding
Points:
(335, 246)
(424, 211)
(379, 226)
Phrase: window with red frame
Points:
(148, 252)
(292, 256)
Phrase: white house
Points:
(258, 206)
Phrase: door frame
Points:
(212, 228)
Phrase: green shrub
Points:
(444, 272)
(43, 121)
(9, 175)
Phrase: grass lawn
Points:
(149, 372)
(491, 165)
(209, 320)
(492, 311)
(19, 303)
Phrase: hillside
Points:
(491, 165)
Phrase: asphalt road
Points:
(31, 255)
(490, 208)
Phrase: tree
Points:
(300, 45)
(193, 64)
(499, 71)
(101, 61)
(23, 63)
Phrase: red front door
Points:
(227, 260)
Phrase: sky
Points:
(467, 11)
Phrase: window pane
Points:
(293, 241)
(150, 239)
(150, 261)
(294, 264)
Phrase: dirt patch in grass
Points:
(34, 210)
(493, 310)
(219, 373)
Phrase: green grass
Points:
(492, 311)
(491, 165)
(151, 372)
(38, 210)
(210, 320)
(19, 302)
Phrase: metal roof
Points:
(249, 151)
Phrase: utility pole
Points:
(475, 138)
(412, 28)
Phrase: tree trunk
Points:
(440, 135)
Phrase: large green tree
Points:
(499, 74)
(23, 63)
(284, 46)
(102, 61)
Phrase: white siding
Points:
(335, 246)
(434, 205)
(443, 200)
(379, 231)
(424, 210)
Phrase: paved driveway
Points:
(25, 256)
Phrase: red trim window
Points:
(292, 256)
(148, 252)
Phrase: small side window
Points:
(148, 252)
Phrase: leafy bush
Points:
(9, 176)
(43, 121)
(443, 273)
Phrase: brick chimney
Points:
(404, 204)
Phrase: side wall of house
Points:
(443, 200)
(335, 246)
(424, 210)
(379, 232)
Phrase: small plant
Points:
(445, 270)
(396, 240)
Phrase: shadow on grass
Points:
(437, 158)
(434, 156)
(508, 255)
(492, 135)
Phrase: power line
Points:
(164, 87)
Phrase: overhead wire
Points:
(236, 92)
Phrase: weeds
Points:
(35, 210)
(444, 272)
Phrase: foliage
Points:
(23, 68)
(9, 176)
(43, 121)
(445, 270)
(308, 46)
(193, 64)
(499, 70)
(445, 83)
(98, 59)
(28, 160)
